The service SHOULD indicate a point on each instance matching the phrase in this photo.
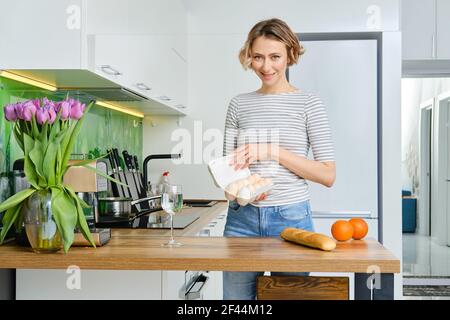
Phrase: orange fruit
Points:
(342, 230)
(360, 228)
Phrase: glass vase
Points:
(40, 225)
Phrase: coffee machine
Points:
(89, 186)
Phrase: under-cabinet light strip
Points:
(121, 109)
(26, 80)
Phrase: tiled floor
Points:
(425, 263)
(423, 257)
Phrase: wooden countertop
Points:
(139, 250)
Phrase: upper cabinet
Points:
(138, 44)
(135, 17)
(443, 29)
(152, 65)
(40, 34)
(425, 29)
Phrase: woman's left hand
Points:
(246, 154)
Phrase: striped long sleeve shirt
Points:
(296, 121)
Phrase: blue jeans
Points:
(251, 221)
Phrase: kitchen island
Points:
(140, 250)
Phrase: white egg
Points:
(231, 191)
(242, 202)
(244, 193)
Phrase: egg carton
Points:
(224, 176)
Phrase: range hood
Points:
(87, 85)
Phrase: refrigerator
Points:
(344, 74)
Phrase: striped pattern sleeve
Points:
(231, 128)
(318, 128)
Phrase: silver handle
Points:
(164, 98)
(180, 106)
(341, 214)
(110, 70)
(448, 180)
(144, 199)
(142, 86)
(195, 292)
(205, 233)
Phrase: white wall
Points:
(217, 30)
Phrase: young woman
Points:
(270, 131)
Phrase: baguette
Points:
(307, 238)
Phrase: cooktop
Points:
(149, 221)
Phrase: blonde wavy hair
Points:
(275, 29)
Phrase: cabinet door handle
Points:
(110, 70)
(164, 98)
(433, 46)
(142, 86)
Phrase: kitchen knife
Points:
(133, 187)
(141, 178)
(119, 176)
(121, 173)
(117, 191)
(136, 175)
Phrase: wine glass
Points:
(172, 203)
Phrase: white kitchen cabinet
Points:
(153, 65)
(135, 17)
(111, 58)
(43, 34)
(443, 29)
(425, 29)
(90, 285)
(173, 285)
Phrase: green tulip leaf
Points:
(34, 128)
(102, 174)
(49, 164)
(74, 135)
(43, 136)
(37, 157)
(55, 127)
(16, 199)
(82, 223)
(65, 213)
(8, 220)
(29, 168)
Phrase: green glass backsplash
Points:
(102, 129)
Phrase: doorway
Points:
(425, 163)
(426, 176)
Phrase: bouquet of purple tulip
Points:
(46, 131)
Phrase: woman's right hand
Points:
(261, 197)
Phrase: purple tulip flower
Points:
(10, 112)
(37, 103)
(49, 103)
(51, 114)
(41, 116)
(76, 112)
(19, 109)
(63, 107)
(28, 111)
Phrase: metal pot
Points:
(124, 208)
(114, 207)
